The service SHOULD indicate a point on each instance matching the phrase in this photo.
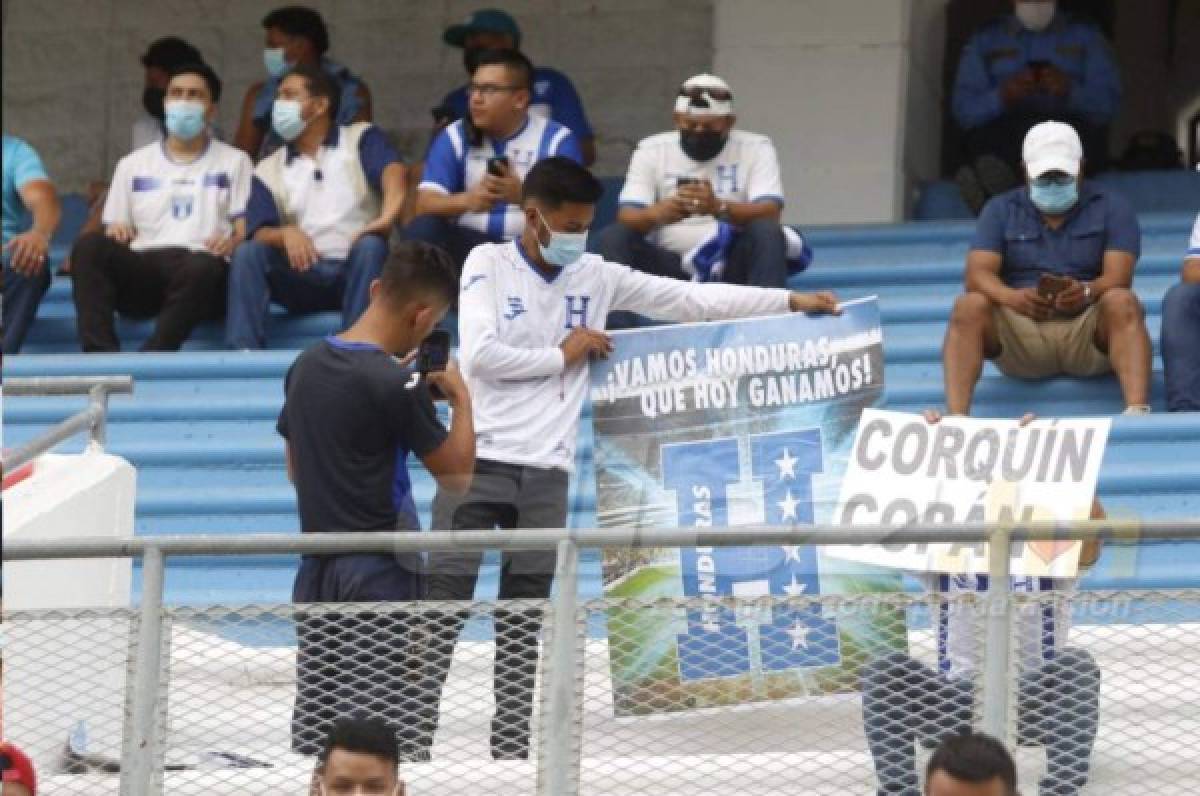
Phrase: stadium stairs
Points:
(200, 425)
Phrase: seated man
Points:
(1181, 333)
(703, 202)
(172, 218)
(971, 764)
(359, 756)
(1033, 65)
(554, 96)
(905, 701)
(31, 213)
(320, 213)
(1048, 281)
(295, 36)
(471, 190)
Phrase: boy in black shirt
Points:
(352, 415)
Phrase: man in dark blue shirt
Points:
(351, 416)
(1032, 65)
(553, 94)
(1048, 281)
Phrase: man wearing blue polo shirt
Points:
(320, 213)
(470, 192)
(1181, 333)
(1049, 282)
(553, 94)
(31, 213)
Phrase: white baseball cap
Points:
(1052, 146)
(704, 95)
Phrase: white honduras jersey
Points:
(169, 203)
(512, 319)
(747, 170)
(1041, 628)
(453, 167)
(1194, 243)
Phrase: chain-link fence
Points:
(812, 694)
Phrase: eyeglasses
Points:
(489, 90)
(695, 93)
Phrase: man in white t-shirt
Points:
(172, 218)
(1181, 332)
(470, 191)
(703, 201)
(531, 314)
(905, 701)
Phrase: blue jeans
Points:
(22, 295)
(260, 274)
(905, 701)
(1181, 346)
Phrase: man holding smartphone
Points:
(1049, 282)
(532, 314)
(352, 416)
(470, 191)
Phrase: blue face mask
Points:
(276, 64)
(184, 119)
(1054, 198)
(564, 248)
(287, 120)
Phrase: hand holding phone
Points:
(1050, 285)
(497, 166)
(432, 357)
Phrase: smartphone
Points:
(497, 166)
(682, 181)
(1050, 285)
(434, 353)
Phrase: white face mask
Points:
(1036, 16)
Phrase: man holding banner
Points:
(905, 701)
(532, 313)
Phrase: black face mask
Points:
(703, 145)
(152, 101)
(471, 59)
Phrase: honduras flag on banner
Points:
(725, 424)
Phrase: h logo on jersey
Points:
(515, 307)
(727, 178)
(577, 308)
(181, 206)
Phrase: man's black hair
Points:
(415, 268)
(515, 61)
(300, 21)
(361, 736)
(205, 71)
(974, 758)
(320, 83)
(170, 52)
(559, 179)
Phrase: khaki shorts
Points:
(1032, 349)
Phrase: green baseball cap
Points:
(485, 20)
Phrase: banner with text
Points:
(745, 422)
(905, 470)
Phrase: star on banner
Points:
(786, 465)
(798, 633)
(788, 506)
(791, 552)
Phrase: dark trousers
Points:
(757, 257)
(502, 496)
(1180, 346)
(180, 286)
(360, 664)
(905, 701)
(1004, 136)
(22, 295)
(444, 232)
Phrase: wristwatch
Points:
(1087, 292)
(722, 213)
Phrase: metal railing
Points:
(93, 419)
(559, 717)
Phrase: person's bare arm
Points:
(659, 214)
(1191, 270)
(1116, 271)
(477, 199)
(301, 252)
(30, 250)
(452, 463)
(249, 137)
(983, 276)
(365, 111)
(706, 203)
(392, 183)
